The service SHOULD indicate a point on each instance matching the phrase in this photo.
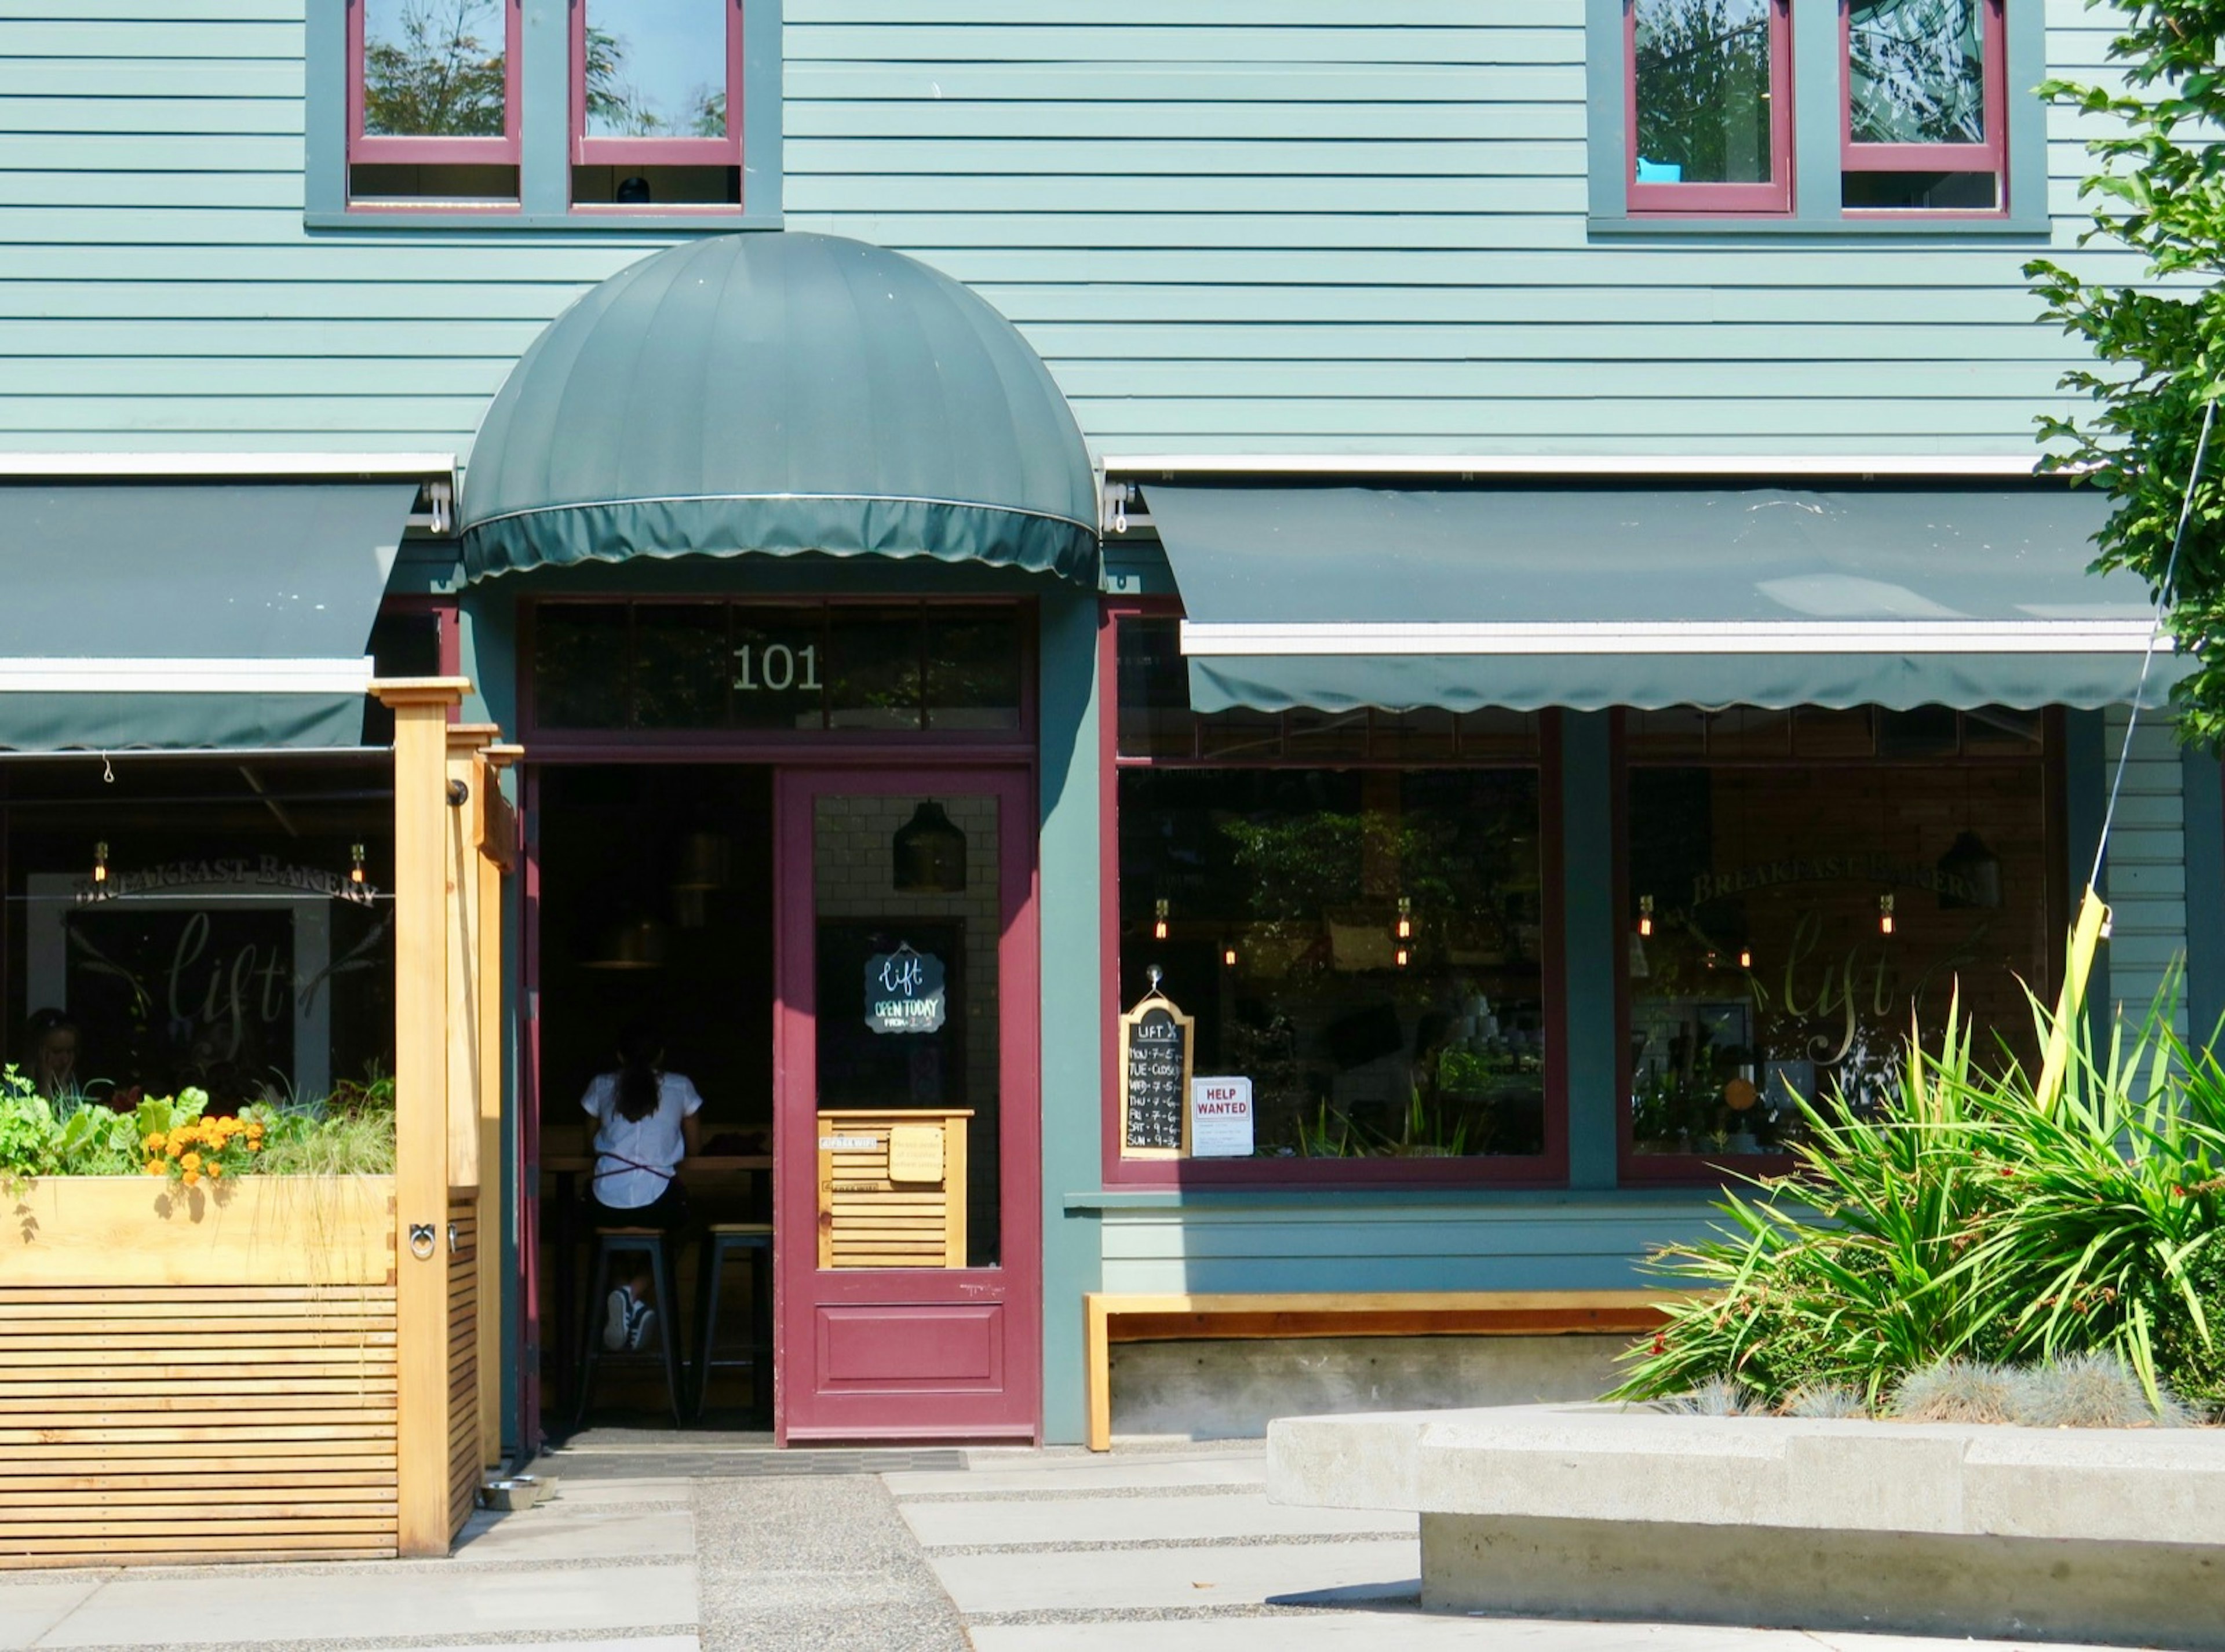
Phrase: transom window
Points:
(762, 667)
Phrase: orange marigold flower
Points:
(154, 1141)
(192, 1177)
(192, 1161)
(155, 1166)
(215, 1170)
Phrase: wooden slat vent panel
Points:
(463, 1362)
(144, 1424)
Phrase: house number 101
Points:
(775, 668)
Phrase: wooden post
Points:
(421, 1106)
(498, 856)
(468, 1011)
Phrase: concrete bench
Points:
(1110, 1316)
(2109, 1535)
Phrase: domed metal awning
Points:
(780, 393)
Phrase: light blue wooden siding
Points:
(1411, 1242)
(1246, 226)
(2145, 872)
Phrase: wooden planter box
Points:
(197, 1375)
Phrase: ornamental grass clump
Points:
(1964, 1219)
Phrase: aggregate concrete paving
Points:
(1155, 1550)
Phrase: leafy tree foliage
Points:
(2160, 346)
(441, 73)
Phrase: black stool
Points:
(612, 1243)
(721, 1241)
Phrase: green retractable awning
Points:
(184, 617)
(777, 393)
(1529, 596)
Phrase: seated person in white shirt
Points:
(646, 1124)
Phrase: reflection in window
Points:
(434, 69)
(1771, 969)
(1280, 893)
(656, 68)
(1915, 72)
(1703, 91)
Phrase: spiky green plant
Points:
(1966, 1220)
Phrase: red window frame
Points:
(1747, 200)
(1546, 1169)
(1992, 155)
(389, 148)
(657, 151)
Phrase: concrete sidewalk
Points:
(1146, 1550)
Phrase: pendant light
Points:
(636, 943)
(930, 853)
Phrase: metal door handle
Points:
(420, 1240)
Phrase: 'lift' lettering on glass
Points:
(1155, 1044)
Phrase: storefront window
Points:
(1337, 920)
(1805, 887)
(222, 924)
(766, 667)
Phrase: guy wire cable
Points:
(2155, 631)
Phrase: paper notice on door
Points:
(1221, 1118)
(915, 1153)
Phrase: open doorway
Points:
(656, 906)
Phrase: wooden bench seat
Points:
(1109, 1317)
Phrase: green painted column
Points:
(1073, 1013)
(1592, 932)
(2203, 791)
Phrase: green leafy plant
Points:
(2160, 345)
(1965, 1220)
(27, 1128)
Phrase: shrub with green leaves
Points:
(1963, 1220)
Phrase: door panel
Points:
(906, 1130)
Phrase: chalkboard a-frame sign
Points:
(1155, 1063)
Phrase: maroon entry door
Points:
(907, 969)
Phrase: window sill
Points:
(500, 220)
(1861, 226)
(1310, 1200)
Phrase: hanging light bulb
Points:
(1711, 958)
(1885, 914)
(100, 862)
(355, 865)
(1646, 915)
(1745, 958)
(1229, 957)
(1159, 920)
(1405, 918)
(1402, 956)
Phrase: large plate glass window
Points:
(432, 102)
(657, 104)
(1709, 106)
(1350, 909)
(1806, 886)
(1925, 106)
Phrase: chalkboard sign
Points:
(1155, 1061)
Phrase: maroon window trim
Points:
(1546, 1169)
(436, 151)
(1744, 200)
(658, 151)
(1992, 155)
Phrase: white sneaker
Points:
(641, 1325)
(618, 1310)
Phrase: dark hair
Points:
(639, 1051)
(43, 1021)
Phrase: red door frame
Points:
(1007, 1299)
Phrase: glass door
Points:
(907, 1135)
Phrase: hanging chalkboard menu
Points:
(1154, 1062)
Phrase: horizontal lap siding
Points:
(196, 1423)
(2146, 873)
(1322, 1244)
(1303, 224)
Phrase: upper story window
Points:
(1925, 108)
(656, 96)
(1907, 116)
(1710, 111)
(432, 102)
(544, 113)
